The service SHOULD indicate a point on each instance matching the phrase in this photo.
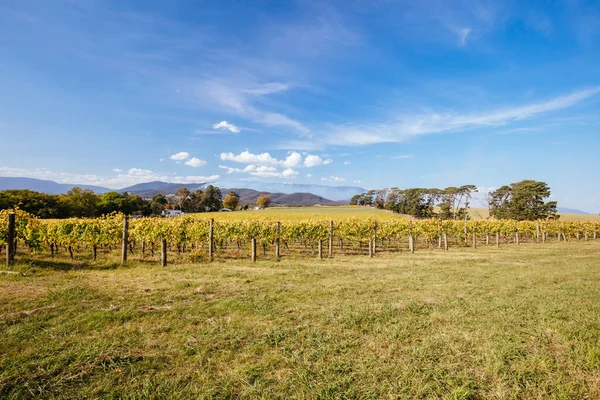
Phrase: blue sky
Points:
(370, 93)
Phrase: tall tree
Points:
(263, 201)
(212, 199)
(82, 203)
(231, 201)
(158, 203)
(523, 200)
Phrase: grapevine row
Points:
(195, 233)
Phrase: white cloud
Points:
(408, 126)
(309, 175)
(293, 160)
(313, 161)
(226, 125)
(117, 170)
(262, 171)
(288, 173)
(265, 165)
(334, 179)
(182, 155)
(195, 162)
(402, 157)
(356, 181)
(122, 179)
(246, 157)
(347, 162)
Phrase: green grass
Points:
(514, 322)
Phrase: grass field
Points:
(483, 213)
(514, 322)
(332, 212)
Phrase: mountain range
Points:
(149, 189)
(44, 186)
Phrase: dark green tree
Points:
(82, 202)
(212, 199)
(522, 201)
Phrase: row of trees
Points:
(211, 200)
(79, 202)
(520, 201)
(208, 200)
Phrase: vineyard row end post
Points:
(331, 238)
(163, 252)
(125, 241)
(10, 247)
(211, 239)
(277, 249)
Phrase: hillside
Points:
(44, 186)
(249, 196)
(149, 189)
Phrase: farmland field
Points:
(355, 211)
(510, 322)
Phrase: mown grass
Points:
(515, 322)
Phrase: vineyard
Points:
(203, 238)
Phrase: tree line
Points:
(524, 200)
(86, 203)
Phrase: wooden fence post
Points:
(374, 237)
(253, 250)
(517, 237)
(277, 249)
(370, 248)
(163, 252)
(320, 249)
(537, 232)
(211, 238)
(331, 238)
(125, 241)
(474, 240)
(10, 247)
(411, 239)
(445, 241)
(497, 239)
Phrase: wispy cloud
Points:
(463, 34)
(421, 124)
(240, 97)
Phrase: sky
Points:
(368, 93)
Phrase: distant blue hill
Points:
(571, 211)
(44, 186)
